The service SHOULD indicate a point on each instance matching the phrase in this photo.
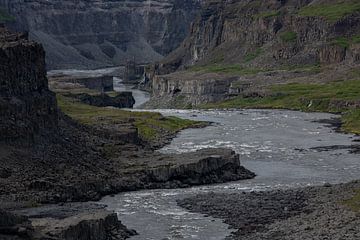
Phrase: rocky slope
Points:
(328, 212)
(92, 34)
(235, 44)
(47, 157)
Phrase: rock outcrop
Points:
(268, 34)
(92, 34)
(201, 167)
(27, 106)
(235, 40)
(121, 100)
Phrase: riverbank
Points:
(328, 212)
(332, 97)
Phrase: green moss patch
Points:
(151, 125)
(253, 55)
(345, 42)
(230, 69)
(5, 16)
(288, 36)
(332, 12)
(354, 202)
(270, 14)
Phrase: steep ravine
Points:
(93, 34)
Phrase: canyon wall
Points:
(27, 107)
(93, 34)
(275, 40)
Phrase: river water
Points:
(277, 145)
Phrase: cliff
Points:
(93, 34)
(249, 41)
(27, 107)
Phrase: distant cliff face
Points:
(27, 107)
(90, 34)
(236, 44)
(270, 33)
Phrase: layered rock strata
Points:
(238, 47)
(27, 106)
(93, 34)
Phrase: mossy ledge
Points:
(152, 126)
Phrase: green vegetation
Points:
(342, 42)
(354, 202)
(351, 121)
(151, 125)
(267, 14)
(231, 69)
(356, 39)
(332, 12)
(251, 56)
(306, 97)
(238, 69)
(346, 41)
(5, 17)
(288, 36)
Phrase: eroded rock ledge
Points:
(202, 167)
(66, 221)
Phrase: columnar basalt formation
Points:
(27, 107)
(92, 34)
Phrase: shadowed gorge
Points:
(94, 34)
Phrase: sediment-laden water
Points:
(276, 145)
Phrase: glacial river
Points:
(277, 145)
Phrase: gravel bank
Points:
(306, 213)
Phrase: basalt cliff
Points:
(237, 47)
(49, 158)
(93, 34)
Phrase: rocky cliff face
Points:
(90, 34)
(235, 40)
(270, 33)
(27, 107)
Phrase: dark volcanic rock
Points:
(201, 167)
(121, 100)
(27, 107)
(92, 34)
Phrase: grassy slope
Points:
(332, 12)
(151, 125)
(306, 97)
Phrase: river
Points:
(277, 145)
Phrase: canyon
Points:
(241, 48)
(94, 34)
(49, 158)
(65, 142)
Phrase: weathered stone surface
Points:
(121, 100)
(27, 107)
(92, 34)
(201, 167)
(14, 227)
